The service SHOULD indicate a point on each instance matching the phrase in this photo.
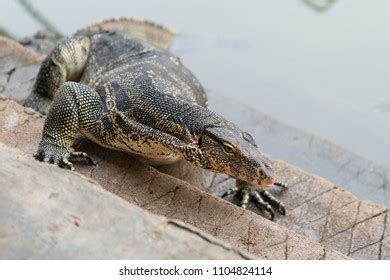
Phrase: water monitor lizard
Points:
(122, 88)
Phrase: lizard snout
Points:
(268, 182)
(264, 180)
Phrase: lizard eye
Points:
(228, 148)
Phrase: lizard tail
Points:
(38, 102)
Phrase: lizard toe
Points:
(53, 154)
(65, 163)
(273, 201)
(39, 155)
(81, 156)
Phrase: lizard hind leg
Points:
(65, 63)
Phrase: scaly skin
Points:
(126, 94)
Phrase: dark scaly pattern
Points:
(136, 97)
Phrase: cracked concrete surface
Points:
(331, 222)
(18, 67)
(315, 207)
(76, 219)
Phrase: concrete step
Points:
(48, 213)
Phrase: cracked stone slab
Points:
(315, 207)
(76, 219)
(165, 195)
(18, 68)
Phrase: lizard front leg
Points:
(264, 200)
(75, 107)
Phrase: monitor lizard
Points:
(125, 90)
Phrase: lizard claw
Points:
(81, 156)
(60, 156)
(65, 163)
(273, 201)
(53, 154)
(263, 199)
(281, 184)
(230, 191)
(271, 212)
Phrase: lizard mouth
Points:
(268, 182)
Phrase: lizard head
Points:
(229, 150)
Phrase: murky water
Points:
(326, 72)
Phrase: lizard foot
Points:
(81, 156)
(264, 200)
(60, 156)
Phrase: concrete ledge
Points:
(48, 213)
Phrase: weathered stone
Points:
(296, 249)
(385, 250)
(342, 198)
(334, 255)
(369, 252)
(312, 230)
(340, 242)
(341, 219)
(315, 207)
(48, 213)
(387, 226)
(18, 68)
(368, 232)
(368, 210)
